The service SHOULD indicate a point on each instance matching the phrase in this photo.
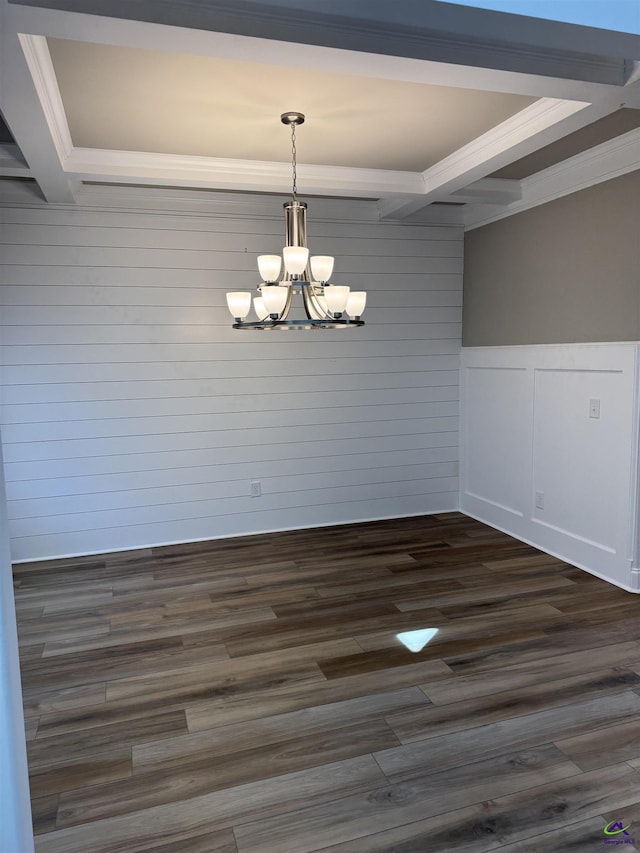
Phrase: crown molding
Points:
(602, 163)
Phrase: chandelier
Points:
(326, 306)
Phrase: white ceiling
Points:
(408, 103)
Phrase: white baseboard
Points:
(563, 557)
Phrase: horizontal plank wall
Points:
(549, 450)
(134, 415)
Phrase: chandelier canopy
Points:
(326, 306)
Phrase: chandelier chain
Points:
(293, 162)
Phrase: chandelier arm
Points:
(287, 305)
(306, 300)
(311, 304)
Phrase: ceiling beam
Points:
(489, 191)
(24, 105)
(94, 164)
(583, 81)
(538, 125)
(463, 22)
(420, 29)
(604, 162)
(58, 166)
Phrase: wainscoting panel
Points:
(549, 440)
(496, 405)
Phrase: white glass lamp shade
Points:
(356, 302)
(295, 259)
(322, 267)
(275, 298)
(260, 308)
(239, 304)
(269, 266)
(336, 297)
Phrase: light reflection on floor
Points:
(415, 641)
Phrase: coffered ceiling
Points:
(409, 103)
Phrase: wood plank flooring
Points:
(251, 696)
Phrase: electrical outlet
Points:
(256, 489)
(594, 408)
(539, 500)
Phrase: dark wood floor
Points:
(251, 695)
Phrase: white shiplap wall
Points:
(134, 415)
